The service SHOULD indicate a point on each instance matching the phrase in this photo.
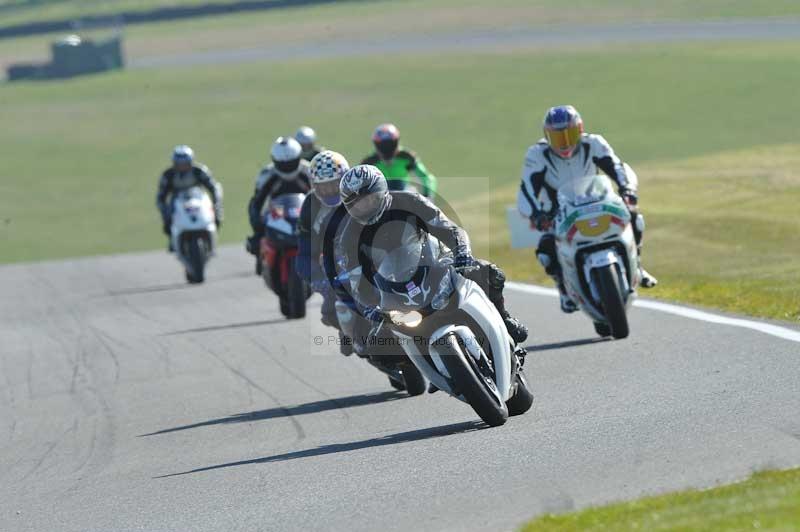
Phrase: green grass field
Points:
(20, 11)
(765, 501)
(705, 125)
(376, 18)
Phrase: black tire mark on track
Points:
(84, 381)
(163, 351)
(11, 402)
(105, 340)
(301, 433)
(49, 449)
(264, 349)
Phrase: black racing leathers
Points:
(272, 185)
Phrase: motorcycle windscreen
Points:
(288, 205)
(194, 192)
(587, 189)
(397, 254)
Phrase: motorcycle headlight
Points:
(443, 291)
(405, 319)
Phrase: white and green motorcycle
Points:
(597, 252)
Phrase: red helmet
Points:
(386, 139)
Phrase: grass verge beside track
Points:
(765, 501)
(383, 19)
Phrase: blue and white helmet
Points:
(365, 193)
(563, 128)
(327, 169)
(182, 154)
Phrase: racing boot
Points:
(517, 331)
(647, 279)
(520, 353)
(497, 282)
(568, 306)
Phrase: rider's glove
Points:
(464, 261)
(362, 343)
(372, 314)
(629, 197)
(541, 221)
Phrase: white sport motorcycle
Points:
(194, 231)
(449, 329)
(597, 252)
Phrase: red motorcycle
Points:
(279, 248)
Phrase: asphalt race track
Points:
(131, 401)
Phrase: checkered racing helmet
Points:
(327, 169)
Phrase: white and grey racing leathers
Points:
(543, 172)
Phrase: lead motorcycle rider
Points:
(287, 174)
(565, 153)
(182, 175)
(372, 206)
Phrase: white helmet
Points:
(286, 157)
(306, 136)
(182, 154)
(327, 169)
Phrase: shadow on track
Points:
(172, 286)
(297, 410)
(241, 325)
(333, 448)
(564, 345)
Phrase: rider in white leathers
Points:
(568, 153)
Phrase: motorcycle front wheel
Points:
(413, 380)
(477, 388)
(612, 300)
(196, 256)
(295, 295)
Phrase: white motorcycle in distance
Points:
(194, 231)
(597, 252)
(449, 329)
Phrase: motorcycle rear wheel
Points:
(522, 400)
